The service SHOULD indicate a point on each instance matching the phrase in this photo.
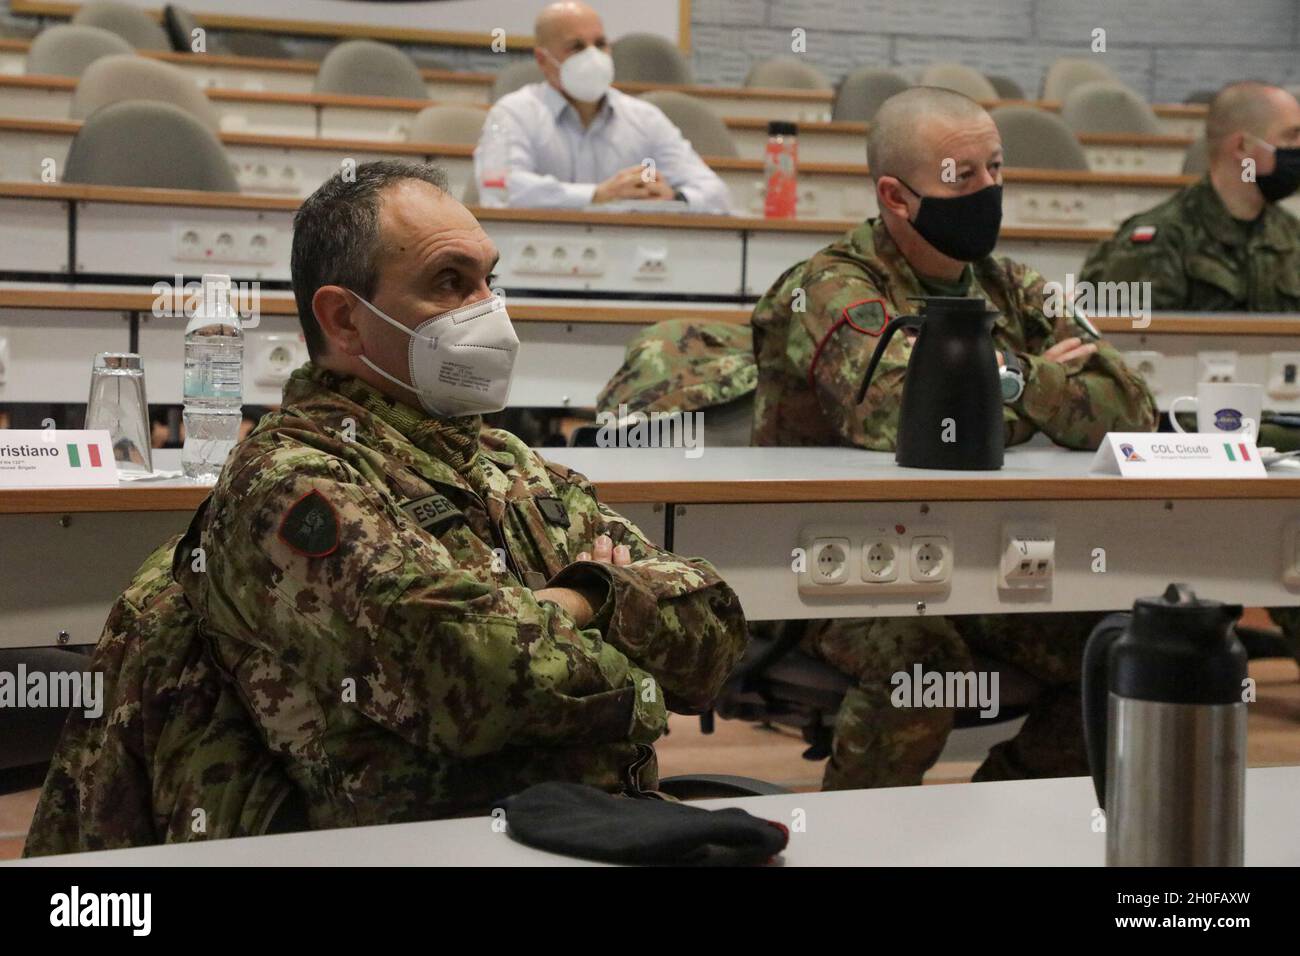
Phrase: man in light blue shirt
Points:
(572, 141)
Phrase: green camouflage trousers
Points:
(877, 744)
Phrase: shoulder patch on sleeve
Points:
(1142, 234)
(867, 315)
(311, 526)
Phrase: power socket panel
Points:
(883, 560)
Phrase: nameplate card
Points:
(1178, 455)
(54, 458)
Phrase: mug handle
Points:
(1173, 411)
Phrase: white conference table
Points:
(745, 509)
(1014, 823)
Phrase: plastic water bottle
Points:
(214, 381)
(494, 166)
(781, 170)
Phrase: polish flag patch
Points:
(1142, 234)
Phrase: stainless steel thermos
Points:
(1165, 726)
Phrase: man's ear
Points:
(333, 307)
(891, 196)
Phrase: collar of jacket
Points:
(455, 441)
(1274, 227)
(873, 241)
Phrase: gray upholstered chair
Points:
(959, 78)
(1071, 71)
(516, 75)
(130, 23)
(112, 79)
(66, 50)
(147, 143)
(699, 124)
(1108, 107)
(787, 73)
(648, 58)
(1008, 89)
(447, 124)
(370, 68)
(862, 91)
(1196, 161)
(1038, 139)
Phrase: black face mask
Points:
(1285, 177)
(961, 227)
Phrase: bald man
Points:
(573, 141)
(937, 163)
(1223, 243)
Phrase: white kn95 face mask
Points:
(587, 75)
(460, 362)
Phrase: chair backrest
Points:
(787, 72)
(180, 25)
(862, 91)
(130, 23)
(648, 58)
(1037, 139)
(1008, 89)
(1071, 71)
(514, 76)
(1197, 158)
(699, 124)
(960, 79)
(112, 79)
(447, 124)
(66, 50)
(370, 68)
(147, 143)
(1108, 107)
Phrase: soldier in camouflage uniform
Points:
(1219, 245)
(683, 365)
(1224, 244)
(417, 614)
(814, 333)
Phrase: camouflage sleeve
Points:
(1159, 262)
(673, 616)
(839, 298)
(1076, 403)
(436, 648)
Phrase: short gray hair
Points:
(336, 237)
(891, 142)
(1244, 107)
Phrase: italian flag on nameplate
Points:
(1240, 449)
(90, 459)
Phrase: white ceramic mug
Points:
(1227, 407)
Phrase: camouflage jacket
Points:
(369, 591)
(683, 365)
(174, 756)
(1074, 405)
(1198, 258)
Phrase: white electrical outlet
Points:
(274, 357)
(1057, 206)
(1028, 559)
(931, 559)
(877, 561)
(1152, 366)
(1283, 375)
(651, 262)
(830, 560)
(1216, 366)
(880, 558)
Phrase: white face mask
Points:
(586, 75)
(461, 361)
